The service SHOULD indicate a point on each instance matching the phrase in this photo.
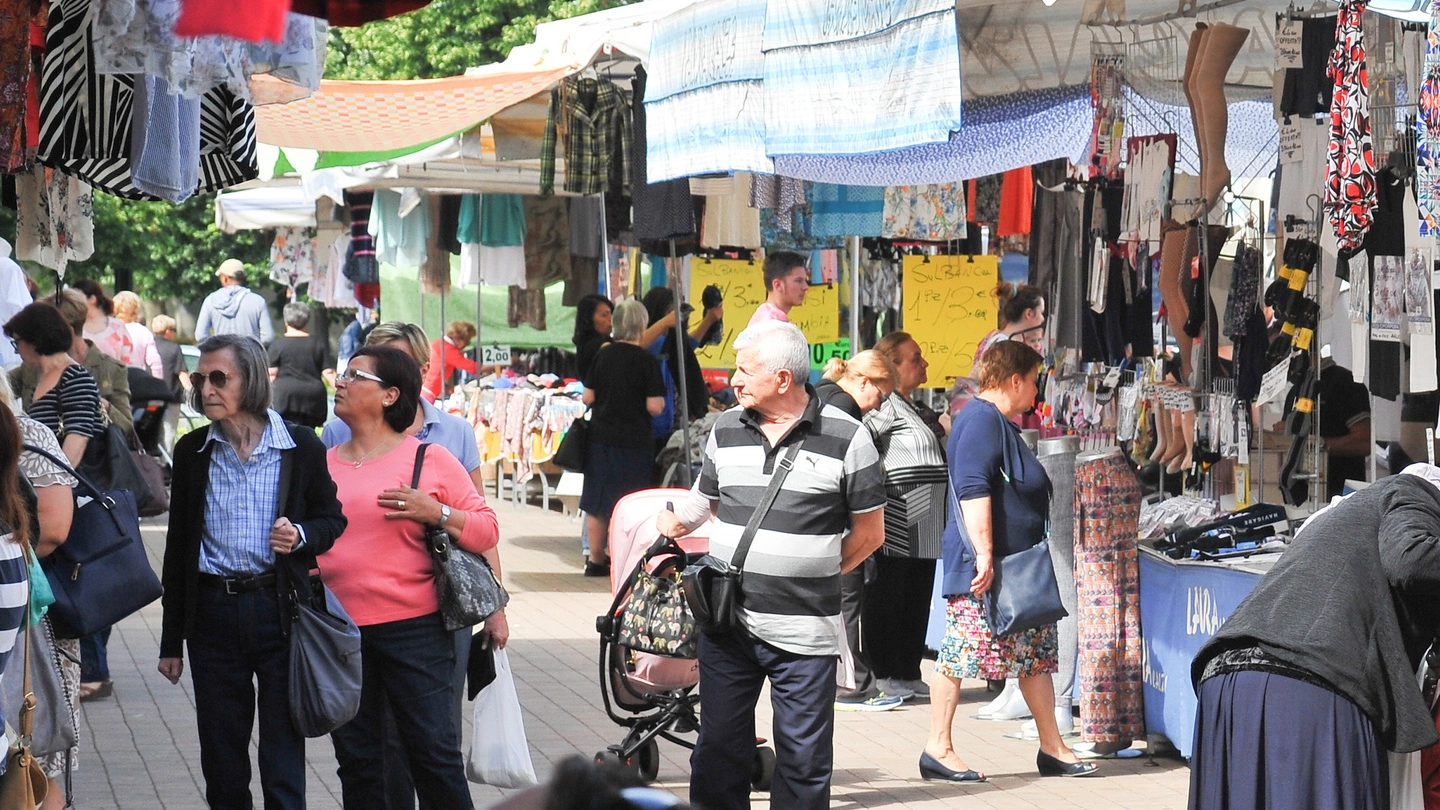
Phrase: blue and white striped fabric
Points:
(704, 95)
(881, 75)
(240, 502)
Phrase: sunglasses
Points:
(352, 374)
(218, 379)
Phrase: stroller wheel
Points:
(610, 757)
(763, 770)
(647, 760)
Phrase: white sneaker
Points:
(1064, 719)
(880, 703)
(896, 688)
(917, 686)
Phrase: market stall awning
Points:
(347, 116)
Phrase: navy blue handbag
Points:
(100, 574)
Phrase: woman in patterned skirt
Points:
(1002, 494)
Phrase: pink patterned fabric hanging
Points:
(1350, 176)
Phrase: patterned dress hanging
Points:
(1350, 175)
(1427, 145)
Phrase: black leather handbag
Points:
(1024, 593)
(464, 582)
(110, 466)
(100, 574)
(712, 585)
(571, 453)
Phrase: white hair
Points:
(630, 320)
(777, 345)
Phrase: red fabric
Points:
(355, 12)
(1017, 195)
(32, 84)
(368, 295)
(454, 358)
(1430, 772)
(970, 200)
(261, 20)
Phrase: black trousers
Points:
(852, 605)
(399, 784)
(733, 668)
(896, 613)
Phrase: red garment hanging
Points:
(355, 12)
(262, 19)
(367, 295)
(970, 200)
(1017, 196)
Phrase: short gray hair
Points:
(630, 320)
(777, 345)
(254, 368)
(297, 314)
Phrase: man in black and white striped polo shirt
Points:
(827, 518)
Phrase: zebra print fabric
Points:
(87, 118)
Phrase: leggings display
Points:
(1057, 456)
(1107, 514)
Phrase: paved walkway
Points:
(139, 748)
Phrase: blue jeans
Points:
(399, 785)
(94, 660)
(409, 664)
(733, 668)
(237, 642)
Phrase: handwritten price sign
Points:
(742, 286)
(948, 309)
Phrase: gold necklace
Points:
(372, 452)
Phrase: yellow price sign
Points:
(742, 287)
(949, 309)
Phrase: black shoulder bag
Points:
(712, 585)
(464, 582)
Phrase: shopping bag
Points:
(499, 752)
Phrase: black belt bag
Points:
(712, 585)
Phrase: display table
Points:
(1183, 604)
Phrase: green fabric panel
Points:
(329, 160)
(400, 299)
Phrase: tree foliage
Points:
(445, 37)
(171, 251)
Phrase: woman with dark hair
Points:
(1022, 317)
(107, 332)
(14, 534)
(299, 362)
(381, 571)
(250, 494)
(592, 330)
(63, 396)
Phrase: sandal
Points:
(96, 690)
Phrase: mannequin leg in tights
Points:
(1172, 264)
(1162, 432)
(1206, 89)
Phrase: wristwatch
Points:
(444, 514)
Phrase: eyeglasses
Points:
(352, 374)
(218, 379)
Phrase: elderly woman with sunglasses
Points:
(381, 571)
(251, 493)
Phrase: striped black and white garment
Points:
(71, 407)
(14, 594)
(915, 479)
(86, 117)
(791, 585)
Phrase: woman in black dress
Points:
(298, 365)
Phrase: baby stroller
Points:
(652, 695)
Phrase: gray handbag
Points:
(464, 582)
(54, 715)
(325, 663)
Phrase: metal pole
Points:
(682, 404)
(604, 285)
(855, 346)
(439, 395)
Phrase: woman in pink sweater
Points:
(380, 570)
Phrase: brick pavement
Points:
(139, 748)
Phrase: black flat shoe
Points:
(930, 768)
(594, 569)
(1050, 766)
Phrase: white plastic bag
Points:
(499, 752)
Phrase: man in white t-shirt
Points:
(787, 279)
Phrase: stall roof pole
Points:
(855, 346)
(682, 403)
